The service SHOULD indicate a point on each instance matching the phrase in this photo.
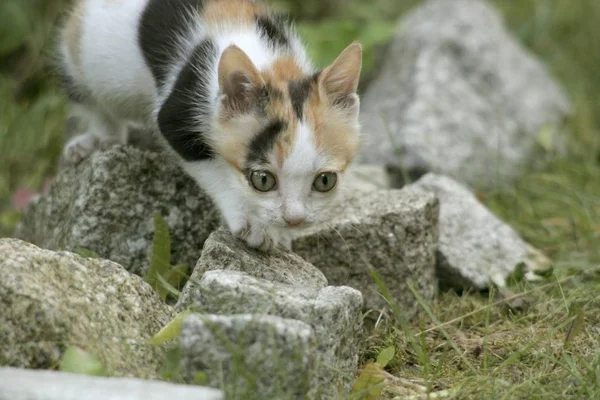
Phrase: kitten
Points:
(229, 89)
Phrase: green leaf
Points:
(86, 253)
(78, 361)
(172, 330)
(200, 378)
(176, 275)
(369, 383)
(160, 259)
(385, 356)
(167, 288)
(545, 138)
(171, 371)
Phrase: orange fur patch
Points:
(283, 70)
(233, 139)
(241, 12)
(279, 108)
(335, 135)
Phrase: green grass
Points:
(490, 350)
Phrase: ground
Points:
(545, 344)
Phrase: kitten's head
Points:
(288, 136)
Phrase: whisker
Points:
(339, 234)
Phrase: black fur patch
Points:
(299, 91)
(273, 28)
(178, 117)
(271, 92)
(264, 141)
(162, 24)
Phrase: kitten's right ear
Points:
(339, 81)
(239, 80)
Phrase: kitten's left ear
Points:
(239, 80)
(339, 81)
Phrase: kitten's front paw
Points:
(259, 237)
(286, 238)
(81, 147)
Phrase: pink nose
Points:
(294, 221)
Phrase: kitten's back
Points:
(126, 53)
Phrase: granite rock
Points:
(250, 356)
(458, 95)
(106, 204)
(50, 300)
(475, 247)
(334, 313)
(393, 231)
(224, 252)
(22, 384)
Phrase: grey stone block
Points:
(22, 384)
(458, 95)
(224, 252)
(475, 247)
(334, 313)
(251, 356)
(393, 231)
(106, 204)
(51, 300)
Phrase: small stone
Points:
(107, 203)
(393, 231)
(52, 300)
(224, 252)
(250, 356)
(458, 95)
(22, 384)
(334, 313)
(475, 247)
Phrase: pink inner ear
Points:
(348, 83)
(340, 85)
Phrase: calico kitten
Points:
(228, 87)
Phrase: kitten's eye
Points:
(325, 182)
(263, 181)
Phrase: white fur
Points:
(262, 218)
(112, 64)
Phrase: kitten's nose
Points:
(294, 221)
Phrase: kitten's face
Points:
(292, 144)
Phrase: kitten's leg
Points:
(285, 238)
(261, 237)
(215, 179)
(96, 131)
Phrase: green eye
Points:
(325, 182)
(263, 181)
